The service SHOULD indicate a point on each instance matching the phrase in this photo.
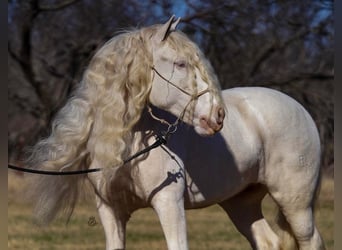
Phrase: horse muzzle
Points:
(211, 125)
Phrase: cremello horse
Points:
(268, 144)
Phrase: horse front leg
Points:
(172, 218)
(113, 224)
(169, 206)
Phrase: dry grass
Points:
(208, 228)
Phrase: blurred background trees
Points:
(286, 45)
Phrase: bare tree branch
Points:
(57, 6)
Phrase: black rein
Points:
(160, 140)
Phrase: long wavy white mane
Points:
(96, 122)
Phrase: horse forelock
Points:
(181, 43)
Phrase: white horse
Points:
(267, 144)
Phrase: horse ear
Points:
(174, 24)
(165, 30)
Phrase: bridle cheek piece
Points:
(194, 96)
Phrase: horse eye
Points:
(180, 64)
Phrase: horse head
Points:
(183, 81)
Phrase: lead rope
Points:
(160, 140)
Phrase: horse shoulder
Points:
(274, 113)
(243, 128)
(278, 123)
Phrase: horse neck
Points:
(148, 127)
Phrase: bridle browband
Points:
(160, 139)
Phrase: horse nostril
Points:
(203, 120)
(220, 116)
